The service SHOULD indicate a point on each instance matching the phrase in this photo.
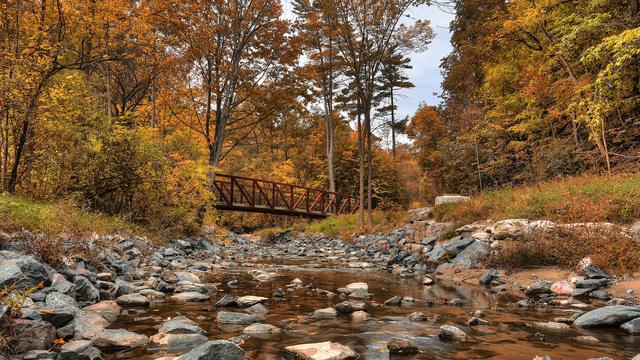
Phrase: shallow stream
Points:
(508, 336)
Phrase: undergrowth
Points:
(586, 198)
(345, 225)
(609, 248)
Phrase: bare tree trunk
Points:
(367, 118)
(154, 108)
(361, 172)
(393, 126)
(478, 164)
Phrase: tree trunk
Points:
(361, 171)
(367, 118)
(393, 126)
(634, 5)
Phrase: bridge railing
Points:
(247, 194)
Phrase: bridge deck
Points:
(239, 193)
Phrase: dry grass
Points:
(586, 198)
(347, 225)
(609, 248)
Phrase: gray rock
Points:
(226, 300)
(449, 249)
(417, 317)
(190, 296)
(180, 325)
(326, 313)
(23, 272)
(539, 287)
(33, 335)
(394, 301)
(593, 272)
(612, 315)
(250, 300)
(261, 329)
(79, 350)
(592, 283)
(87, 325)
(135, 299)
(472, 255)
(632, 326)
(234, 318)
(489, 276)
(39, 355)
(85, 291)
(176, 341)
(108, 309)
(218, 349)
(62, 285)
(322, 351)
(119, 339)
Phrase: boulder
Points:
(612, 315)
(108, 309)
(261, 329)
(187, 276)
(176, 341)
(85, 291)
(250, 300)
(135, 299)
(417, 317)
(326, 313)
(218, 349)
(360, 316)
(449, 249)
(33, 335)
(451, 199)
(190, 296)
(322, 351)
(226, 300)
(489, 276)
(394, 301)
(87, 325)
(180, 325)
(509, 229)
(401, 346)
(632, 326)
(119, 339)
(79, 350)
(62, 285)
(234, 318)
(24, 272)
(450, 332)
(472, 255)
(420, 214)
(39, 355)
(562, 287)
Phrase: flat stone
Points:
(234, 318)
(119, 339)
(180, 325)
(24, 272)
(187, 276)
(85, 291)
(325, 313)
(451, 199)
(226, 300)
(33, 335)
(417, 317)
(260, 329)
(218, 349)
(250, 300)
(358, 285)
(135, 299)
(176, 341)
(190, 296)
(108, 309)
(632, 326)
(322, 351)
(394, 301)
(87, 325)
(39, 355)
(551, 326)
(612, 315)
(360, 316)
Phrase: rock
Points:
(257, 309)
(348, 307)
(358, 285)
(551, 326)
(449, 249)
(420, 214)
(151, 294)
(39, 355)
(325, 313)
(87, 325)
(401, 346)
(427, 280)
(108, 309)
(360, 294)
(62, 285)
(562, 287)
(417, 317)
(450, 332)
(119, 339)
(612, 315)
(475, 320)
(322, 351)
(472, 255)
(79, 350)
(451, 199)
(429, 241)
(489, 276)
(360, 316)
(249, 300)
(278, 293)
(600, 294)
(180, 325)
(587, 339)
(632, 326)
(24, 272)
(234, 318)
(187, 276)
(226, 300)
(394, 301)
(539, 287)
(261, 329)
(85, 291)
(135, 299)
(176, 341)
(509, 229)
(33, 335)
(297, 282)
(593, 272)
(212, 350)
(190, 296)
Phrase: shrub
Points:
(609, 248)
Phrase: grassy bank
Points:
(18, 213)
(345, 225)
(580, 199)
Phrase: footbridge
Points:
(238, 193)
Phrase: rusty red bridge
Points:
(239, 193)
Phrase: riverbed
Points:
(507, 336)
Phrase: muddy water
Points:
(507, 338)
